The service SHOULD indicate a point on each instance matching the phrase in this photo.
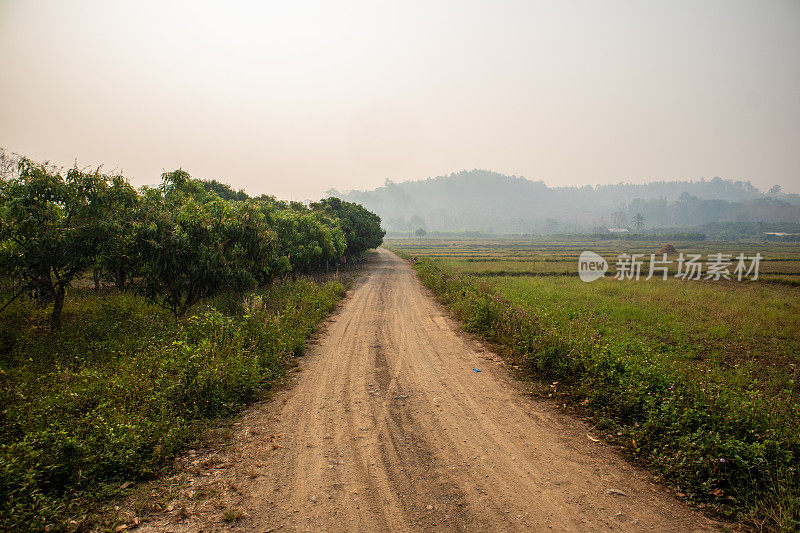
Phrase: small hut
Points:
(667, 249)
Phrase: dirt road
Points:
(389, 428)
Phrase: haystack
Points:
(667, 249)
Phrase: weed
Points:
(124, 386)
(232, 515)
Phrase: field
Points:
(723, 322)
(780, 262)
(697, 379)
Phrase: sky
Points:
(295, 98)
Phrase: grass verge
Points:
(711, 432)
(123, 386)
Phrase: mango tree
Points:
(118, 225)
(188, 245)
(361, 228)
(49, 229)
(307, 240)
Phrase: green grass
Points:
(124, 385)
(725, 324)
(696, 379)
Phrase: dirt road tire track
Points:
(388, 428)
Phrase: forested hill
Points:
(480, 200)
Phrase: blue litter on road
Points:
(476, 369)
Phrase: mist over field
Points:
(248, 280)
(488, 202)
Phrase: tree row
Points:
(176, 243)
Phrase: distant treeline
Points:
(491, 203)
(761, 231)
(176, 243)
(686, 236)
(718, 231)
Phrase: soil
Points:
(388, 427)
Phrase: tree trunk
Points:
(58, 305)
(119, 278)
(96, 277)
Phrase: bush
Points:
(124, 385)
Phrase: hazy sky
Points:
(293, 97)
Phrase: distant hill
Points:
(481, 200)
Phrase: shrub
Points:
(114, 398)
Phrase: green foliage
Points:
(307, 239)
(178, 243)
(362, 228)
(118, 226)
(224, 191)
(50, 228)
(190, 249)
(194, 244)
(116, 392)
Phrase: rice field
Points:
(733, 322)
(779, 262)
